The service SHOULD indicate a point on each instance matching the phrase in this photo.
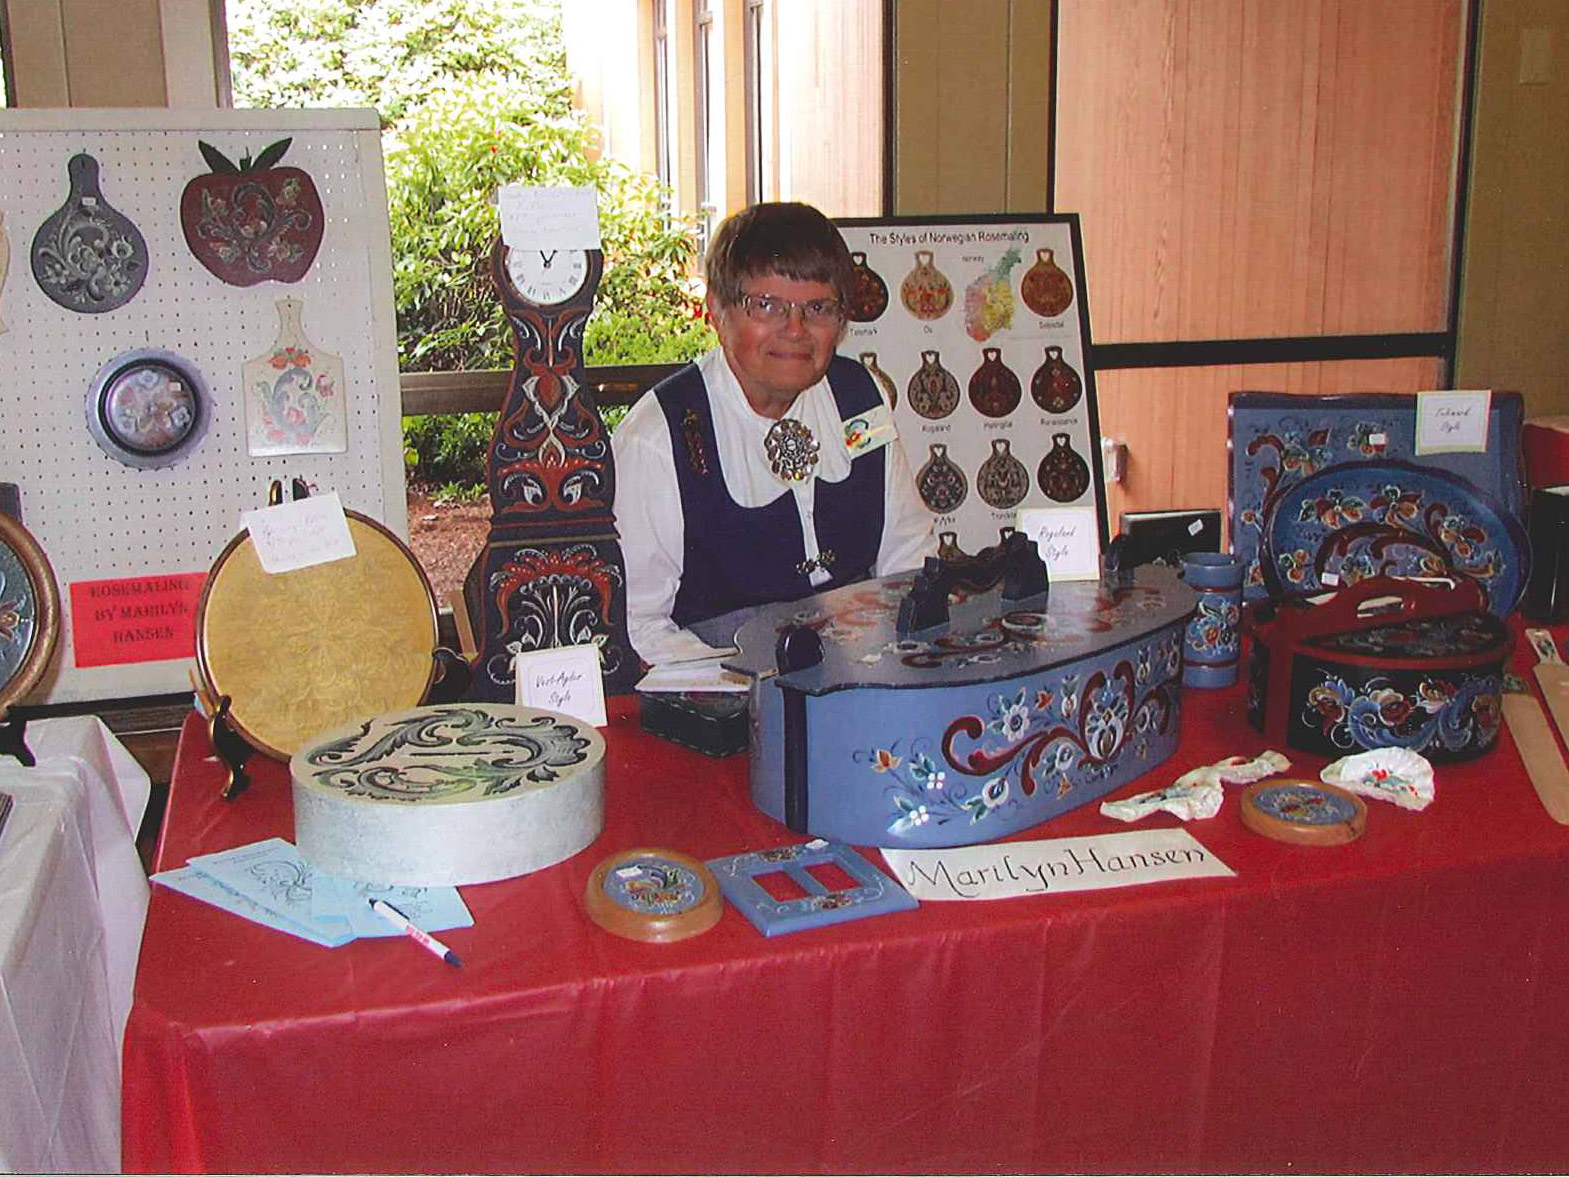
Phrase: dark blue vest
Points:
(739, 556)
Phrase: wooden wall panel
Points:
(830, 93)
(1173, 420)
(1514, 323)
(1249, 168)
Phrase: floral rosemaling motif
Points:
(1335, 509)
(1442, 713)
(1031, 739)
(1213, 630)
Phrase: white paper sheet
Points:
(1008, 870)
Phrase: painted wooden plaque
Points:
(294, 393)
(88, 256)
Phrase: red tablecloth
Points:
(1400, 1003)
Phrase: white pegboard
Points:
(97, 518)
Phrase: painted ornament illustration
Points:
(1002, 479)
(1046, 289)
(870, 293)
(926, 292)
(933, 391)
(294, 393)
(1063, 474)
(1056, 387)
(87, 256)
(988, 300)
(942, 485)
(253, 221)
(994, 389)
(884, 381)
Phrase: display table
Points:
(1399, 1003)
(72, 903)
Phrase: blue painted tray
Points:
(1276, 439)
(1349, 522)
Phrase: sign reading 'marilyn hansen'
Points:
(1007, 870)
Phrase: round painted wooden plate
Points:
(29, 612)
(653, 894)
(303, 652)
(1305, 813)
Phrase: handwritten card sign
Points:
(1452, 422)
(1068, 539)
(548, 218)
(135, 619)
(1008, 870)
(300, 534)
(567, 680)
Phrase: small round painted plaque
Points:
(29, 612)
(1303, 812)
(148, 408)
(653, 894)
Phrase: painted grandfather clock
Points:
(551, 572)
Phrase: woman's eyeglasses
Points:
(815, 312)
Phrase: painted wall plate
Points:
(652, 894)
(29, 612)
(1276, 439)
(871, 892)
(1305, 813)
(87, 256)
(1357, 520)
(148, 408)
(304, 651)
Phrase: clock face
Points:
(547, 276)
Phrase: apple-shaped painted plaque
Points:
(252, 222)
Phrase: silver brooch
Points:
(791, 450)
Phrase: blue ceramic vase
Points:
(1211, 647)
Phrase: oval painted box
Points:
(1005, 717)
(1388, 663)
(449, 794)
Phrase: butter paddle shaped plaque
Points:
(1538, 749)
(294, 393)
(87, 256)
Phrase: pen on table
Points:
(419, 935)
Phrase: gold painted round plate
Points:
(306, 651)
(653, 894)
(29, 612)
(1305, 813)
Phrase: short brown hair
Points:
(790, 239)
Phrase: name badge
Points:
(868, 430)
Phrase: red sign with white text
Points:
(138, 619)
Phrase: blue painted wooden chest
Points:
(1006, 716)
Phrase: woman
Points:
(770, 469)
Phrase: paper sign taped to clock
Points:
(548, 218)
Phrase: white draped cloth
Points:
(73, 901)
